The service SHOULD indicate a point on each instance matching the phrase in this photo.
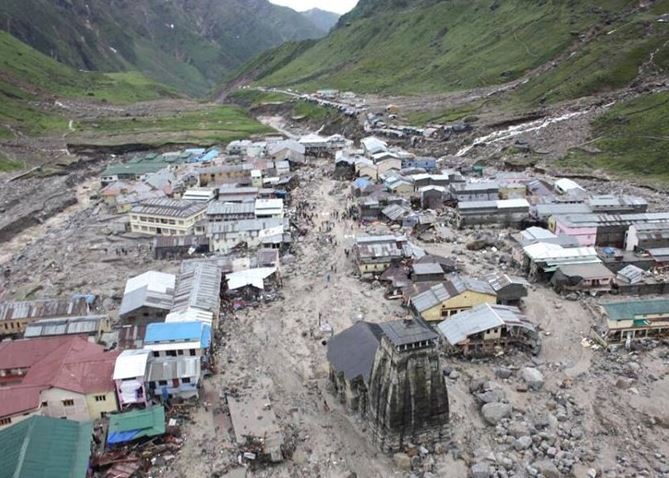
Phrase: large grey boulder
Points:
(481, 470)
(547, 469)
(532, 377)
(494, 412)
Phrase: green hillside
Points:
(30, 82)
(428, 46)
(633, 139)
(35, 90)
(189, 44)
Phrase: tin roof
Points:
(199, 288)
(87, 325)
(170, 368)
(427, 268)
(636, 309)
(46, 447)
(586, 271)
(131, 364)
(479, 319)
(500, 280)
(45, 308)
(596, 220)
(632, 274)
(173, 332)
(128, 426)
(221, 208)
(170, 208)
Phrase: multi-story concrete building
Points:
(168, 217)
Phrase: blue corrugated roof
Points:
(178, 332)
(206, 336)
(209, 156)
(195, 151)
(362, 182)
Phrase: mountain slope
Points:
(322, 19)
(190, 44)
(30, 82)
(396, 46)
(47, 108)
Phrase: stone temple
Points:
(390, 374)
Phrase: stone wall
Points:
(408, 400)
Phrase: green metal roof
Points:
(638, 309)
(136, 424)
(44, 447)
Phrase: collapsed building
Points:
(487, 328)
(390, 374)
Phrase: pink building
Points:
(585, 234)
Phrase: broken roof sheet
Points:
(250, 277)
(632, 274)
(135, 424)
(253, 417)
(131, 364)
(500, 280)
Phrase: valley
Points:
(421, 239)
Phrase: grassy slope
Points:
(207, 125)
(633, 138)
(297, 109)
(609, 62)
(31, 83)
(251, 98)
(453, 44)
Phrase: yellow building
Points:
(167, 217)
(60, 403)
(451, 297)
(61, 377)
(374, 254)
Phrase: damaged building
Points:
(390, 374)
(487, 328)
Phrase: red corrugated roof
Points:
(72, 363)
(18, 399)
(25, 353)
